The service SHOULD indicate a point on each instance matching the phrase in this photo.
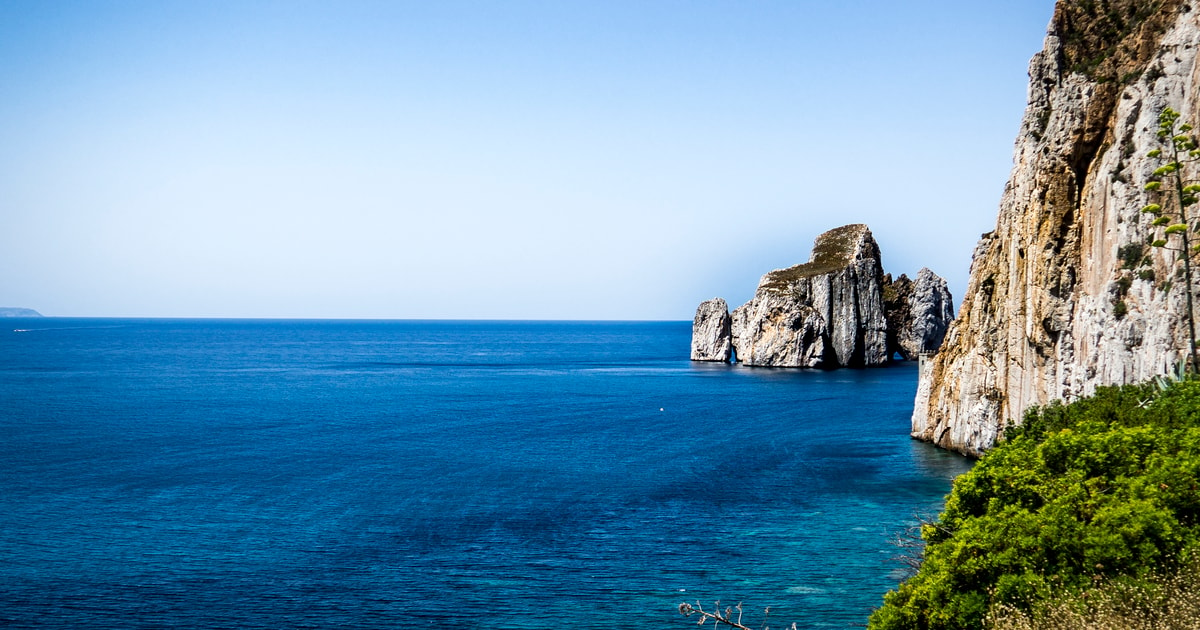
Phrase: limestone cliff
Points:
(828, 312)
(1063, 295)
(835, 300)
(779, 330)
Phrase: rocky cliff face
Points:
(840, 285)
(931, 309)
(828, 312)
(779, 330)
(1058, 301)
(918, 313)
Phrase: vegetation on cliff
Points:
(1079, 500)
(1178, 148)
(1106, 39)
(833, 251)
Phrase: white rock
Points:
(1038, 322)
(710, 332)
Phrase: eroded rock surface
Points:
(897, 296)
(777, 330)
(828, 312)
(842, 284)
(929, 309)
(1056, 304)
(710, 332)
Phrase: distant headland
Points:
(12, 311)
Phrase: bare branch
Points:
(717, 617)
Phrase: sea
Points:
(172, 473)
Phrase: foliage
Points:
(1170, 602)
(1105, 488)
(1177, 148)
(1096, 34)
(1131, 255)
(832, 251)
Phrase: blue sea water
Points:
(387, 474)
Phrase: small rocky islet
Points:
(839, 309)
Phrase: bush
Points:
(1171, 602)
(1077, 495)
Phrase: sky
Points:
(490, 160)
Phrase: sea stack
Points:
(710, 332)
(918, 313)
(828, 312)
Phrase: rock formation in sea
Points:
(1064, 295)
(825, 313)
(710, 332)
(918, 313)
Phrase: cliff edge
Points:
(1065, 295)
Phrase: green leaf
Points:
(1155, 153)
(1175, 229)
(1152, 208)
(1161, 221)
(1159, 243)
(1153, 186)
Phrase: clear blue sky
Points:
(519, 159)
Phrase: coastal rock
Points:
(1064, 296)
(897, 297)
(827, 312)
(930, 310)
(775, 330)
(710, 332)
(837, 309)
(918, 313)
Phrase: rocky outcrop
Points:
(1064, 295)
(710, 332)
(828, 312)
(918, 313)
(778, 330)
(896, 297)
(840, 286)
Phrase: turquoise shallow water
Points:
(311, 474)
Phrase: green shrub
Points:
(1167, 602)
(1107, 487)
